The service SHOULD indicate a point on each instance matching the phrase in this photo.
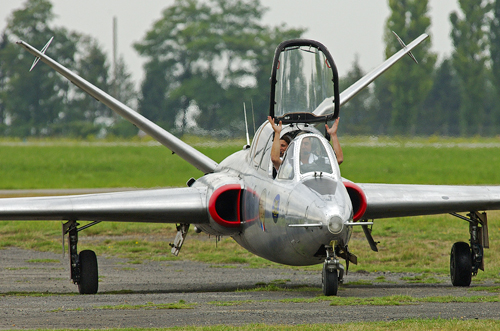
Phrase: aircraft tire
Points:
(330, 281)
(89, 281)
(460, 264)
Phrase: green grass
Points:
(78, 165)
(43, 261)
(393, 300)
(68, 164)
(150, 305)
(421, 165)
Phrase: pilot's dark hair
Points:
(286, 138)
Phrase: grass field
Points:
(61, 164)
(96, 165)
(417, 244)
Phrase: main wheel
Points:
(460, 264)
(330, 280)
(89, 281)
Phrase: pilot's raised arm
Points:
(335, 140)
(279, 145)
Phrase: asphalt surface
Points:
(210, 292)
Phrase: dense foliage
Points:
(205, 59)
(209, 58)
(41, 102)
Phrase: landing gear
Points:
(460, 264)
(89, 282)
(330, 281)
(465, 260)
(84, 271)
(333, 273)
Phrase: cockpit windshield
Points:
(313, 156)
(306, 154)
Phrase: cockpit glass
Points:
(313, 156)
(304, 80)
(286, 169)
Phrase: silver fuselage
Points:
(275, 212)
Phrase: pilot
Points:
(306, 157)
(278, 149)
(279, 144)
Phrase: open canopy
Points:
(304, 76)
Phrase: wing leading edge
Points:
(400, 200)
(172, 205)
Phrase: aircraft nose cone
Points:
(335, 224)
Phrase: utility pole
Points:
(115, 51)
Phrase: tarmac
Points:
(36, 292)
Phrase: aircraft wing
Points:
(170, 205)
(185, 151)
(399, 200)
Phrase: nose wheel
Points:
(332, 273)
(330, 281)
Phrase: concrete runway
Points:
(210, 290)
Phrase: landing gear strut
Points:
(465, 260)
(333, 273)
(84, 271)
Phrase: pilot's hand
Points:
(276, 128)
(333, 130)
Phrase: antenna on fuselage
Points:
(246, 127)
(253, 116)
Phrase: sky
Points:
(348, 28)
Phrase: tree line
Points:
(456, 97)
(205, 59)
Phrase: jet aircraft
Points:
(302, 215)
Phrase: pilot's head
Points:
(284, 142)
(305, 147)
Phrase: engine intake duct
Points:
(358, 200)
(225, 205)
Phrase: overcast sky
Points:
(346, 27)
